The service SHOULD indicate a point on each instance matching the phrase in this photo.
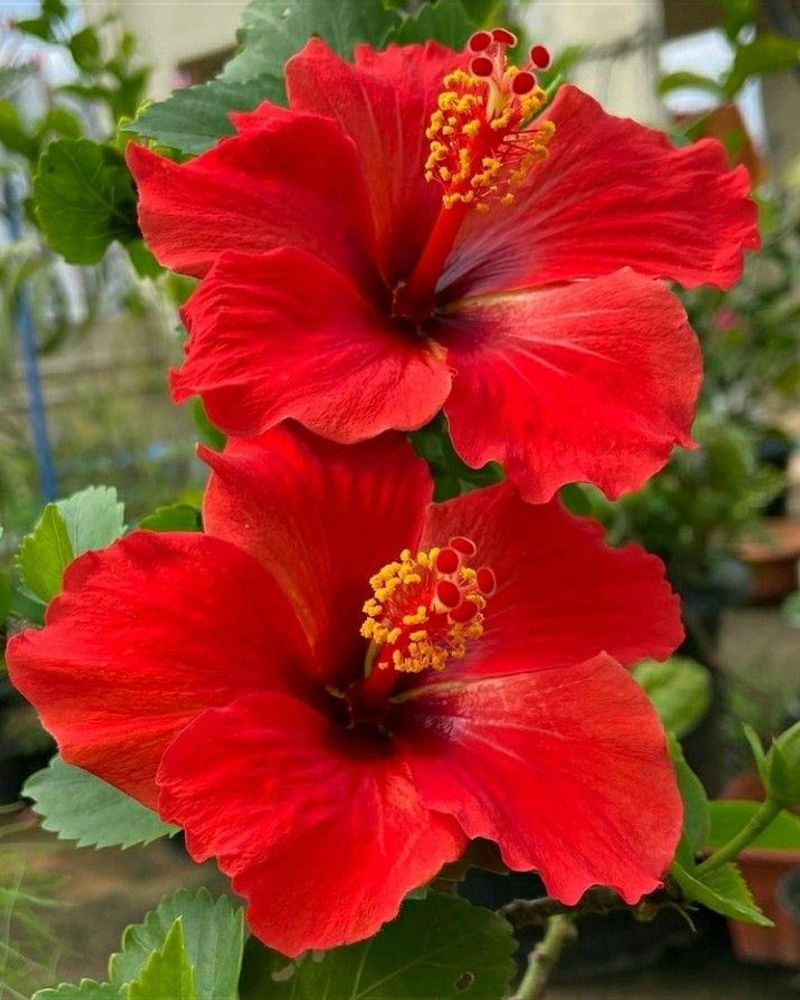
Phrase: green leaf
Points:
(194, 118)
(485, 13)
(680, 690)
(445, 21)
(451, 475)
(144, 263)
(729, 816)
(767, 53)
(13, 134)
(44, 555)
(440, 947)
(683, 80)
(574, 498)
(6, 592)
(273, 30)
(79, 806)
(84, 47)
(723, 891)
(167, 973)
(736, 14)
(94, 518)
(213, 932)
(174, 517)
(89, 519)
(58, 121)
(84, 199)
(696, 818)
(87, 989)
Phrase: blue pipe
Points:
(23, 313)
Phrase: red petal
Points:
(322, 518)
(321, 828)
(594, 381)
(566, 770)
(285, 335)
(146, 635)
(384, 102)
(563, 595)
(611, 193)
(295, 181)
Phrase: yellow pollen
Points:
(407, 619)
(483, 139)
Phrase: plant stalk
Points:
(759, 821)
(559, 933)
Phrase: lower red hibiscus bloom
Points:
(340, 683)
(419, 230)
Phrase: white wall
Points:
(173, 31)
(624, 85)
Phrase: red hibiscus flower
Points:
(420, 231)
(339, 683)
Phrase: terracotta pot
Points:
(763, 870)
(778, 945)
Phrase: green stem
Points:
(559, 932)
(759, 821)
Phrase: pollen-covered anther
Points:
(427, 607)
(483, 135)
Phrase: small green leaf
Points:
(195, 118)
(79, 806)
(144, 263)
(696, 818)
(273, 30)
(729, 816)
(84, 47)
(213, 932)
(44, 555)
(87, 989)
(174, 517)
(440, 946)
(451, 475)
(89, 519)
(767, 53)
(736, 14)
(13, 133)
(680, 690)
(723, 891)
(575, 499)
(684, 80)
(445, 21)
(167, 973)
(94, 518)
(84, 199)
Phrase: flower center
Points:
(427, 608)
(483, 142)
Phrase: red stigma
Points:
(465, 612)
(448, 561)
(523, 82)
(463, 545)
(481, 66)
(448, 593)
(487, 581)
(504, 37)
(540, 56)
(479, 41)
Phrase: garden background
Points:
(88, 326)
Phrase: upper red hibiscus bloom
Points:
(418, 231)
(339, 683)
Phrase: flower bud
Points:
(781, 769)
